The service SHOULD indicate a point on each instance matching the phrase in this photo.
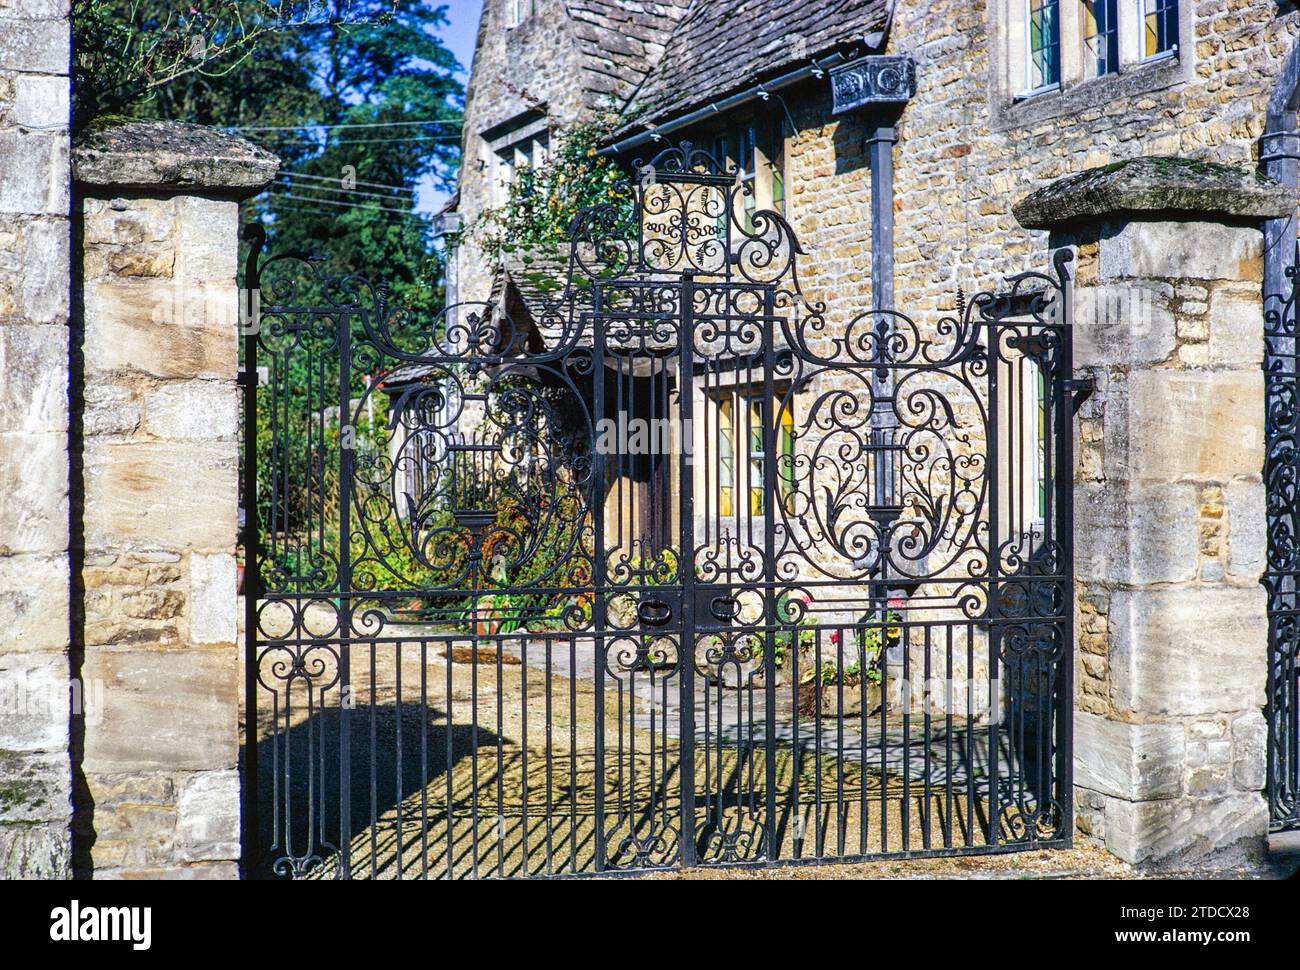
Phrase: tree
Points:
(357, 97)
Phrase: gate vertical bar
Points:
(686, 568)
(772, 469)
(599, 496)
(345, 598)
(1063, 487)
(994, 564)
(251, 829)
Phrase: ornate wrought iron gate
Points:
(1282, 575)
(659, 559)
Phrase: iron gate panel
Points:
(1282, 573)
(655, 560)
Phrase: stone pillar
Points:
(1172, 635)
(160, 476)
(34, 572)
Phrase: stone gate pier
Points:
(1172, 633)
(159, 233)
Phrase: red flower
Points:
(835, 637)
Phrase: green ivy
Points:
(543, 202)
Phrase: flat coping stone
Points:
(172, 155)
(1148, 186)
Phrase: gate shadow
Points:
(396, 752)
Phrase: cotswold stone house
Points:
(923, 151)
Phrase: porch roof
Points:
(721, 46)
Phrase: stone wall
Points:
(161, 458)
(1173, 633)
(35, 771)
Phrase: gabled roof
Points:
(621, 40)
(721, 46)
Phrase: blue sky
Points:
(459, 36)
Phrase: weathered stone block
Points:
(193, 410)
(1188, 651)
(171, 495)
(208, 870)
(149, 788)
(174, 710)
(34, 702)
(34, 393)
(1247, 529)
(41, 101)
(131, 834)
(1154, 184)
(173, 155)
(1181, 424)
(214, 615)
(36, 46)
(1136, 534)
(34, 9)
(1183, 829)
(34, 483)
(1123, 323)
(129, 222)
(1181, 250)
(1131, 761)
(209, 817)
(35, 851)
(207, 239)
(34, 598)
(47, 253)
(34, 787)
(36, 170)
(174, 330)
(110, 408)
(1250, 751)
(1236, 327)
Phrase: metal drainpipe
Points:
(880, 147)
(880, 142)
(1279, 155)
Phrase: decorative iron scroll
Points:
(1282, 575)
(664, 492)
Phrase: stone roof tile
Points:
(720, 46)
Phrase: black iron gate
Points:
(658, 559)
(1282, 574)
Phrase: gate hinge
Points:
(1080, 390)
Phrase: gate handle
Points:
(654, 612)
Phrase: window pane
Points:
(1040, 459)
(757, 457)
(1159, 26)
(726, 457)
(1044, 44)
(1101, 35)
(785, 469)
(775, 152)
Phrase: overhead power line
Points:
(388, 196)
(362, 141)
(345, 205)
(368, 124)
(375, 213)
(326, 178)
